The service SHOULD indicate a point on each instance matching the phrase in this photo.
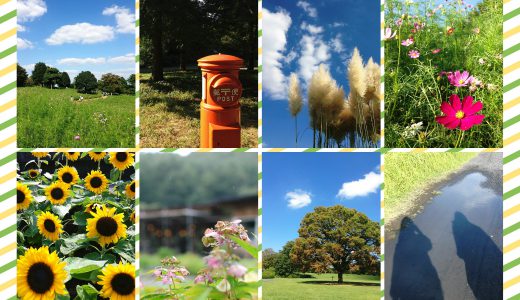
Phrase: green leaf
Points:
(30, 162)
(198, 292)
(155, 296)
(78, 265)
(252, 250)
(63, 297)
(87, 292)
(114, 175)
(72, 244)
(61, 210)
(80, 218)
(110, 258)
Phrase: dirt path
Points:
(452, 248)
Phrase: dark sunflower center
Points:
(33, 174)
(67, 177)
(40, 278)
(98, 153)
(132, 187)
(49, 225)
(20, 196)
(123, 284)
(57, 193)
(121, 156)
(96, 182)
(106, 226)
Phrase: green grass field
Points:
(323, 286)
(170, 110)
(407, 174)
(48, 118)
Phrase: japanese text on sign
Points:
(225, 94)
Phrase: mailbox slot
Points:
(224, 136)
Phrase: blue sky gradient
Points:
(318, 177)
(104, 40)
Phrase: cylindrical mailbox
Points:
(220, 108)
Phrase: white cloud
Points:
(24, 44)
(298, 199)
(362, 187)
(338, 24)
(29, 68)
(82, 33)
(124, 59)
(314, 52)
(337, 45)
(124, 18)
(306, 6)
(312, 29)
(274, 42)
(29, 10)
(21, 28)
(290, 56)
(73, 61)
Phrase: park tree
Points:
(52, 77)
(131, 84)
(21, 76)
(38, 73)
(85, 82)
(65, 79)
(335, 239)
(283, 265)
(112, 83)
(268, 258)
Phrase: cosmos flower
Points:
(435, 51)
(414, 54)
(388, 34)
(459, 79)
(407, 42)
(457, 114)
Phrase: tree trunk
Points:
(340, 277)
(157, 45)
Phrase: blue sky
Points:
(297, 37)
(295, 183)
(74, 36)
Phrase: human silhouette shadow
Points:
(413, 274)
(482, 258)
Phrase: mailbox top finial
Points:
(220, 61)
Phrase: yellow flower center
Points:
(461, 81)
(459, 114)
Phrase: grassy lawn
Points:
(170, 110)
(407, 174)
(322, 287)
(48, 118)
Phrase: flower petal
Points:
(455, 102)
(473, 109)
(453, 124)
(447, 109)
(444, 119)
(466, 103)
(468, 122)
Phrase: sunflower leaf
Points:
(87, 292)
(78, 265)
(61, 210)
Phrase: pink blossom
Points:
(399, 22)
(166, 280)
(460, 114)
(77, 137)
(459, 79)
(435, 51)
(199, 279)
(213, 262)
(414, 54)
(407, 42)
(237, 270)
(388, 34)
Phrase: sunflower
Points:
(97, 156)
(118, 281)
(68, 175)
(33, 173)
(49, 226)
(130, 190)
(132, 217)
(96, 182)
(41, 275)
(72, 156)
(57, 193)
(121, 160)
(106, 225)
(39, 154)
(23, 196)
(92, 207)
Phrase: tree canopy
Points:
(112, 83)
(85, 82)
(38, 73)
(21, 76)
(197, 29)
(65, 79)
(51, 77)
(338, 239)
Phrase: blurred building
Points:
(182, 228)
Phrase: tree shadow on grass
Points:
(413, 274)
(322, 282)
(482, 258)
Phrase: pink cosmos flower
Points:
(77, 137)
(459, 79)
(414, 54)
(399, 22)
(435, 51)
(237, 270)
(407, 42)
(388, 34)
(460, 114)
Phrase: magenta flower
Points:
(414, 54)
(435, 51)
(460, 114)
(388, 34)
(407, 42)
(77, 137)
(459, 79)
(237, 270)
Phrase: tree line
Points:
(177, 33)
(332, 239)
(84, 82)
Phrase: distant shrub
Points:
(268, 274)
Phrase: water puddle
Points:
(452, 248)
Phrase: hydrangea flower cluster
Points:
(170, 271)
(220, 235)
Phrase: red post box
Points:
(220, 108)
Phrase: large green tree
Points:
(336, 239)
(112, 83)
(51, 77)
(65, 79)
(268, 258)
(85, 82)
(38, 73)
(21, 76)
(284, 266)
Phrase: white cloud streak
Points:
(359, 188)
(24, 44)
(308, 8)
(298, 199)
(124, 18)
(82, 33)
(30, 10)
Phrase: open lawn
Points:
(48, 118)
(322, 286)
(170, 110)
